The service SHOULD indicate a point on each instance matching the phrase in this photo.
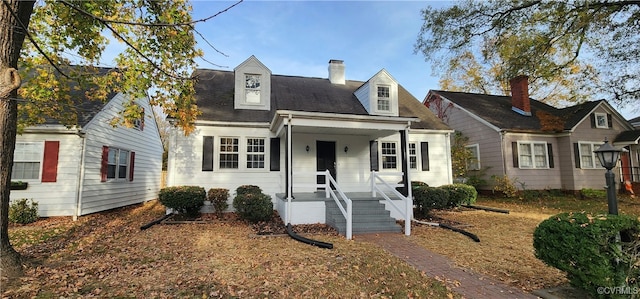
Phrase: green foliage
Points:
(587, 247)
(461, 194)
(183, 199)
(593, 193)
(23, 211)
(18, 185)
(429, 198)
(505, 185)
(476, 179)
(218, 198)
(460, 154)
(253, 205)
(543, 39)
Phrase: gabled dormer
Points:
(252, 85)
(379, 95)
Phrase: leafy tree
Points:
(569, 49)
(460, 155)
(39, 39)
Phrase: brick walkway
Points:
(465, 282)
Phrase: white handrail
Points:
(407, 213)
(348, 214)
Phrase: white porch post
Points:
(289, 170)
(409, 204)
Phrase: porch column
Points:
(406, 180)
(289, 171)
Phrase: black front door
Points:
(326, 159)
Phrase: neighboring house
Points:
(541, 146)
(635, 122)
(277, 132)
(92, 167)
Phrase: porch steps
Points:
(369, 216)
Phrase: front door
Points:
(326, 159)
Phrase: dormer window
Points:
(252, 88)
(252, 85)
(384, 102)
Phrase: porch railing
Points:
(634, 173)
(330, 192)
(377, 182)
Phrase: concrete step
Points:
(369, 216)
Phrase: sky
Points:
(298, 38)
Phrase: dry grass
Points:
(106, 255)
(506, 249)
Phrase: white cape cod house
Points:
(292, 135)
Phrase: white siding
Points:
(55, 198)
(185, 162)
(97, 195)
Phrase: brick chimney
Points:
(336, 72)
(520, 95)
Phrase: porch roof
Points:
(347, 124)
(627, 137)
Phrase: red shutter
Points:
(50, 161)
(131, 163)
(104, 165)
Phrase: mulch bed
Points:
(275, 226)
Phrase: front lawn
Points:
(106, 255)
(506, 251)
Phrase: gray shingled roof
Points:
(497, 110)
(215, 92)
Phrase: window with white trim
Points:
(229, 152)
(601, 120)
(413, 156)
(533, 155)
(252, 88)
(27, 161)
(384, 101)
(255, 153)
(473, 162)
(389, 155)
(588, 158)
(117, 163)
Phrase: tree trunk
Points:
(14, 19)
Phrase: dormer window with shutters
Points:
(379, 95)
(252, 85)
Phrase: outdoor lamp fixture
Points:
(307, 148)
(608, 156)
(346, 149)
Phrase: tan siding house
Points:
(537, 145)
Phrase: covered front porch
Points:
(332, 165)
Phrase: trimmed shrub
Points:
(587, 247)
(23, 211)
(252, 205)
(460, 194)
(593, 193)
(183, 199)
(218, 198)
(430, 198)
(505, 185)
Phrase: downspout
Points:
(449, 162)
(504, 162)
(80, 184)
(289, 170)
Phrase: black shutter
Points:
(593, 120)
(207, 153)
(373, 155)
(576, 154)
(609, 121)
(514, 153)
(424, 155)
(550, 152)
(274, 162)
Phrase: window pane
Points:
(122, 171)
(525, 149)
(111, 171)
(25, 171)
(228, 160)
(252, 88)
(123, 157)
(112, 156)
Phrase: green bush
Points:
(23, 211)
(461, 194)
(588, 248)
(593, 193)
(218, 198)
(253, 205)
(429, 198)
(183, 199)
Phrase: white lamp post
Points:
(608, 156)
